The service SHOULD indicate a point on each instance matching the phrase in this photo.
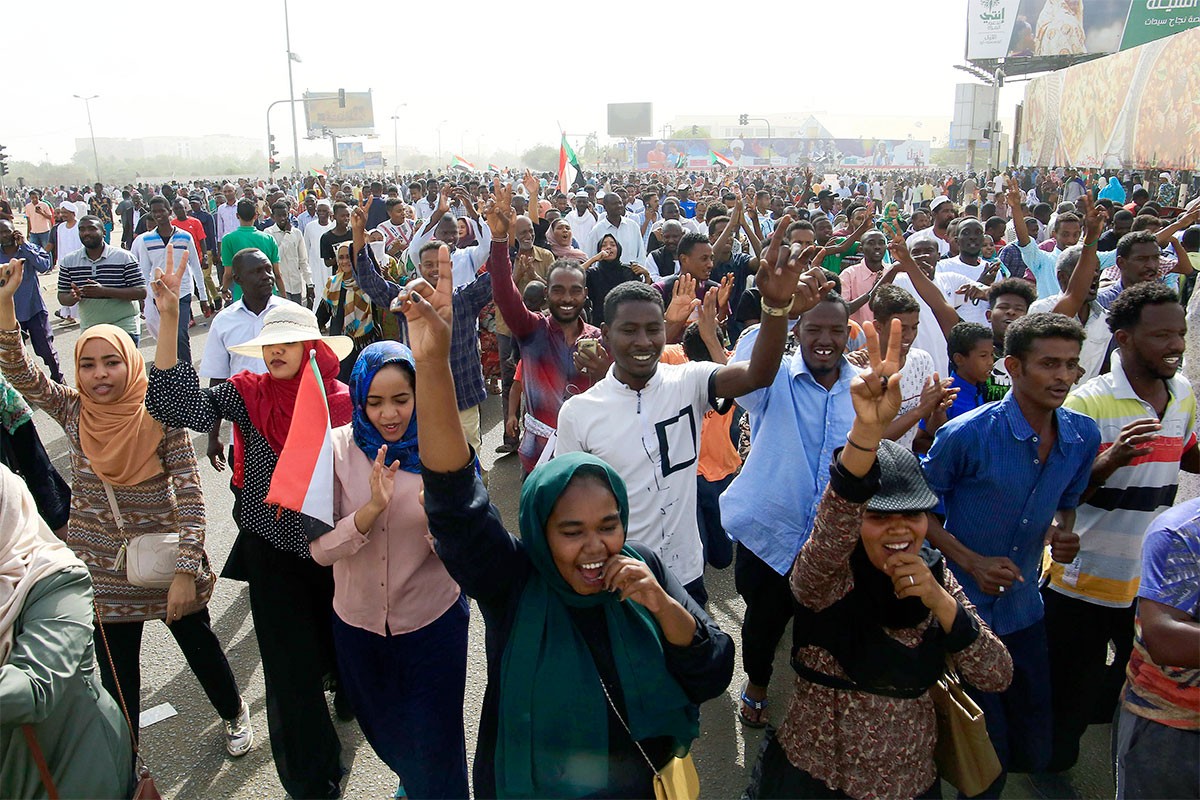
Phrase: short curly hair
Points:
(1126, 310)
(629, 292)
(1023, 332)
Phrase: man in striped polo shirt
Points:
(103, 279)
(1147, 418)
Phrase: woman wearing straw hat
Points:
(290, 595)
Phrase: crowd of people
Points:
(937, 427)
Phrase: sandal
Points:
(757, 707)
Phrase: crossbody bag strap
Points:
(120, 694)
(112, 504)
(35, 750)
(621, 719)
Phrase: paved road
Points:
(186, 752)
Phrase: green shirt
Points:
(834, 263)
(242, 237)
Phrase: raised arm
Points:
(520, 320)
(1079, 287)
(790, 280)
(945, 314)
(33, 384)
(485, 560)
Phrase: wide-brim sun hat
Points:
(288, 323)
(902, 486)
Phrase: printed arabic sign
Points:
(1034, 35)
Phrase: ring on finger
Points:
(912, 581)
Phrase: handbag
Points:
(145, 789)
(148, 560)
(677, 780)
(964, 754)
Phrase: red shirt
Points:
(194, 227)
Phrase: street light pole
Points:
(91, 131)
(439, 135)
(396, 140)
(287, 32)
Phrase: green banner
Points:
(1154, 19)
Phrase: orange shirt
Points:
(718, 457)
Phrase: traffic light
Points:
(272, 163)
(744, 119)
(341, 98)
(3, 158)
(272, 166)
(695, 130)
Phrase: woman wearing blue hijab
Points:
(400, 621)
(1113, 191)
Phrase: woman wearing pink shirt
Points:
(400, 621)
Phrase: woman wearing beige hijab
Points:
(129, 476)
(49, 689)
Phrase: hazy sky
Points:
(492, 78)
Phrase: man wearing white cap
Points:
(583, 218)
(313, 232)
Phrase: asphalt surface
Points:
(186, 752)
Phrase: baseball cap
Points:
(902, 486)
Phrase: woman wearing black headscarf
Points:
(879, 614)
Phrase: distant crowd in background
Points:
(933, 420)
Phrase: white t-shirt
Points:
(659, 468)
(312, 241)
(918, 368)
(968, 310)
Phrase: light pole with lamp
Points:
(287, 33)
(91, 131)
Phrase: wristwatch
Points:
(773, 311)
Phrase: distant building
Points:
(194, 147)
(805, 125)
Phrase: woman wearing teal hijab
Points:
(591, 644)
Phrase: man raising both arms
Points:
(663, 404)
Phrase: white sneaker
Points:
(239, 736)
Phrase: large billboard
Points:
(1133, 109)
(630, 120)
(1035, 35)
(351, 155)
(324, 111)
(750, 152)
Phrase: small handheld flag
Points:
(303, 477)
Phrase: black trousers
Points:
(200, 646)
(1084, 688)
(769, 607)
(508, 372)
(291, 601)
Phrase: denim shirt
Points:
(771, 504)
(999, 499)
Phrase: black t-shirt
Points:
(330, 239)
(602, 277)
(1107, 241)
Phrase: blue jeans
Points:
(40, 239)
(718, 547)
(185, 320)
(1019, 719)
(407, 691)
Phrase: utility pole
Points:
(92, 131)
(287, 32)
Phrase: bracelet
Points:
(850, 442)
(1090, 244)
(776, 311)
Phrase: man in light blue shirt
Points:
(795, 425)
(1068, 228)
